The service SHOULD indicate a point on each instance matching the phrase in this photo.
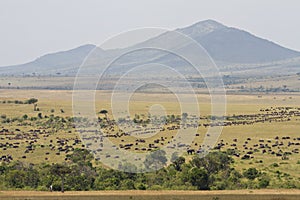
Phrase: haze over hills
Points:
(233, 49)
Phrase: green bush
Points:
(141, 186)
(127, 184)
(156, 187)
(199, 177)
(251, 173)
(15, 178)
(264, 181)
(275, 165)
(42, 188)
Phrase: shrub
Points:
(127, 184)
(42, 188)
(31, 101)
(264, 181)
(274, 165)
(15, 178)
(18, 102)
(141, 186)
(251, 173)
(7, 120)
(33, 118)
(156, 187)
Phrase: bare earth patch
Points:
(120, 195)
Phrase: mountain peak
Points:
(202, 28)
(210, 23)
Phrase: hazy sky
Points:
(31, 28)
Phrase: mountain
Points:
(226, 45)
(236, 46)
(65, 57)
(232, 49)
(52, 64)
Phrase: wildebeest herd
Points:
(276, 146)
(26, 142)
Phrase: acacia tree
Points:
(213, 162)
(178, 163)
(31, 101)
(104, 112)
(199, 177)
(60, 170)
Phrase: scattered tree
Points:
(61, 170)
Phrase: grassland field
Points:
(140, 103)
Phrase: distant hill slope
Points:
(235, 46)
(65, 57)
(52, 64)
(226, 45)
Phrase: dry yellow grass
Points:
(236, 104)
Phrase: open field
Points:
(271, 144)
(178, 195)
